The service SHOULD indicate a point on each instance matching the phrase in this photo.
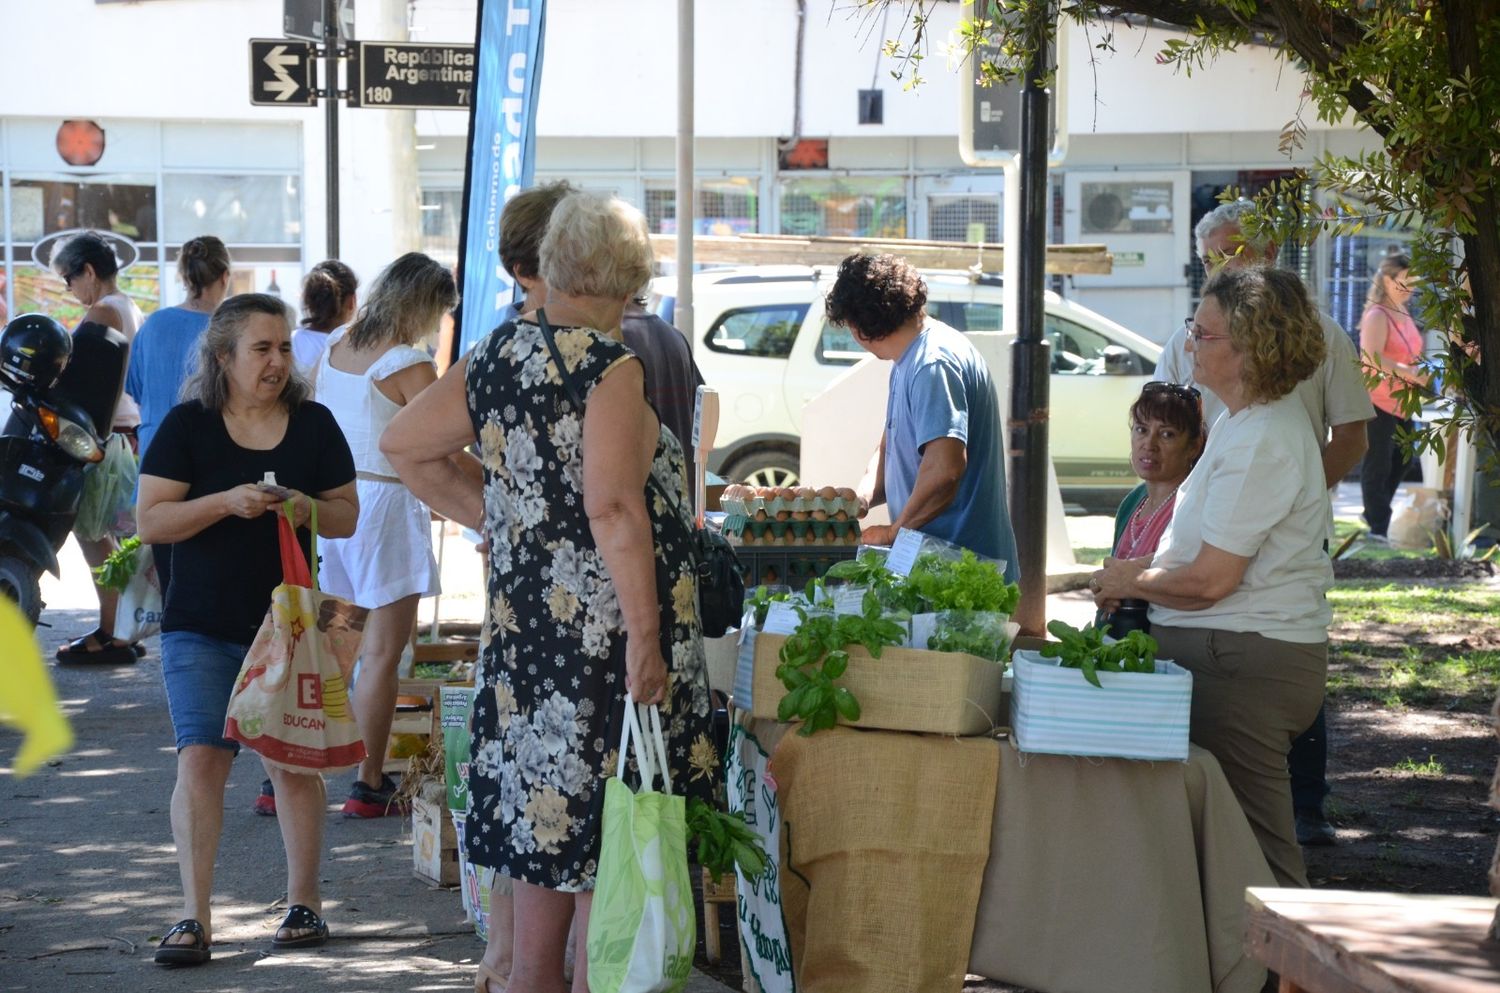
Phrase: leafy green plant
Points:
(117, 570)
(1432, 767)
(964, 583)
(760, 599)
(816, 655)
(1086, 650)
(983, 635)
(724, 841)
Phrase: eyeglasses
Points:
(1198, 335)
(1188, 393)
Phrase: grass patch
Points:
(1432, 767)
(1085, 555)
(1418, 608)
(1402, 653)
(1371, 552)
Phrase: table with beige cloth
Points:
(1100, 876)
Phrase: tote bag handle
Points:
(295, 568)
(650, 752)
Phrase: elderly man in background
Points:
(1338, 407)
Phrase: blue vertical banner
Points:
(502, 154)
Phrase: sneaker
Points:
(1377, 539)
(265, 804)
(367, 801)
(1313, 829)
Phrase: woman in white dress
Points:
(369, 371)
(328, 302)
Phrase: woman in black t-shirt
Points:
(247, 413)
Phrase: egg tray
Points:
(741, 530)
(749, 507)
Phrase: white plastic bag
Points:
(1419, 514)
(138, 615)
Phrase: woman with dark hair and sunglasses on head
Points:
(1166, 437)
(1237, 585)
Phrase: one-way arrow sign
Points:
(283, 73)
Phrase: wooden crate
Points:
(906, 689)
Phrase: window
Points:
(1081, 351)
(241, 210)
(979, 317)
(1127, 208)
(767, 332)
(836, 346)
(725, 206)
(441, 212)
(971, 217)
(845, 207)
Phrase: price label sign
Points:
(904, 552)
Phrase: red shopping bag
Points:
(291, 699)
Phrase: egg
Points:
(828, 493)
(840, 515)
(783, 515)
(760, 515)
(820, 515)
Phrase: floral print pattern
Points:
(548, 714)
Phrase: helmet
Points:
(33, 351)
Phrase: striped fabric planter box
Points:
(1133, 716)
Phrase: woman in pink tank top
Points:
(1391, 343)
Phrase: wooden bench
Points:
(1334, 941)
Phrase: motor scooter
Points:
(48, 440)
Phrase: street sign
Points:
(413, 75)
(304, 19)
(282, 73)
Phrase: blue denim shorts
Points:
(199, 673)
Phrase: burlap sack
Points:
(885, 839)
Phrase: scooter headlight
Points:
(70, 436)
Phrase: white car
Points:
(762, 341)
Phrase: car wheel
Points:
(20, 584)
(764, 467)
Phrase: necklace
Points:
(1141, 525)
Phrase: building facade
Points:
(780, 146)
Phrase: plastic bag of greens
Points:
(107, 506)
(984, 634)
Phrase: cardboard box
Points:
(906, 689)
(434, 845)
(1130, 715)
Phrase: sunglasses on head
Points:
(1188, 393)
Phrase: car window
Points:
(1080, 351)
(767, 332)
(836, 346)
(979, 316)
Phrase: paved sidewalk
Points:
(88, 878)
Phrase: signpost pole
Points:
(331, 119)
(1029, 361)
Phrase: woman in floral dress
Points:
(592, 593)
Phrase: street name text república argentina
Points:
(412, 65)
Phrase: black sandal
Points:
(195, 952)
(301, 918)
(98, 648)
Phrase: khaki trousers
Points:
(1251, 696)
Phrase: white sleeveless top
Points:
(127, 411)
(362, 411)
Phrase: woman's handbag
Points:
(642, 928)
(291, 699)
(721, 586)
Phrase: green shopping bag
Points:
(642, 927)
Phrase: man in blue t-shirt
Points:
(940, 467)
